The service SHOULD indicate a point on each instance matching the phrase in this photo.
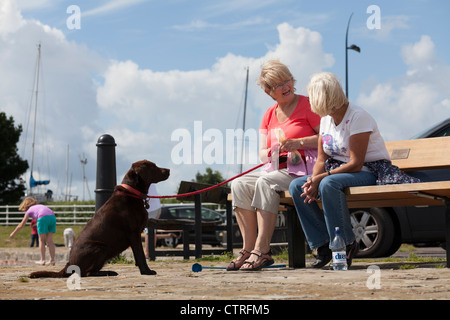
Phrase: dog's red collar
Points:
(139, 194)
(135, 194)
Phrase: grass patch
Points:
(407, 248)
(411, 258)
(226, 257)
(23, 238)
(409, 261)
(407, 267)
(121, 259)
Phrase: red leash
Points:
(134, 193)
(209, 188)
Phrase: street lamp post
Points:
(352, 47)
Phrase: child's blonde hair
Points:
(27, 203)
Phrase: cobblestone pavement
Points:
(176, 281)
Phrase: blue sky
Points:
(191, 35)
(141, 69)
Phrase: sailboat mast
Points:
(243, 121)
(35, 106)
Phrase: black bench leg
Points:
(229, 227)
(296, 240)
(151, 243)
(198, 226)
(185, 237)
(447, 230)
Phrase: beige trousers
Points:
(260, 190)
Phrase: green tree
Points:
(209, 177)
(11, 165)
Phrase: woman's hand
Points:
(290, 145)
(311, 188)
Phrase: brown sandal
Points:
(239, 261)
(264, 260)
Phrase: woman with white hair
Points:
(349, 144)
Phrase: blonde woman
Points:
(46, 226)
(350, 144)
(288, 142)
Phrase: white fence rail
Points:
(65, 214)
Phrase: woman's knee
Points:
(239, 190)
(295, 187)
(236, 185)
(263, 181)
(330, 185)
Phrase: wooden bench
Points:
(218, 195)
(183, 226)
(408, 155)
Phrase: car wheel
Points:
(374, 231)
(171, 242)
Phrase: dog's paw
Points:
(103, 274)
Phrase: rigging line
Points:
(229, 169)
(29, 110)
(243, 121)
(35, 105)
(44, 127)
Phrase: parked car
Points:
(187, 212)
(381, 231)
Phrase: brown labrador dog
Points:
(116, 226)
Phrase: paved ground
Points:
(176, 281)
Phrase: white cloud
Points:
(406, 105)
(194, 26)
(197, 25)
(391, 23)
(111, 6)
(84, 96)
(158, 103)
(35, 4)
(420, 54)
(66, 92)
(214, 8)
(388, 25)
(208, 95)
(10, 18)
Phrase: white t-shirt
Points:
(155, 204)
(336, 139)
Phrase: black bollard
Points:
(106, 169)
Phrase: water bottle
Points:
(338, 251)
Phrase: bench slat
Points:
(429, 153)
(398, 195)
(390, 195)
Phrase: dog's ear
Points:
(142, 171)
(130, 178)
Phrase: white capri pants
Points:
(153, 215)
(69, 235)
(260, 190)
